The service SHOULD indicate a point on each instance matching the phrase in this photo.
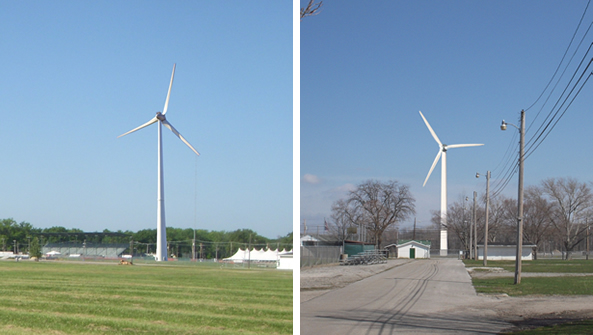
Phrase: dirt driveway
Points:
(515, 313)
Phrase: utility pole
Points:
(520, 203)
(249, 250)
(587, 255)
(486, 225)
(131, 248)
(414, 234)
(473, 239)
(193, 247)
(520, 197)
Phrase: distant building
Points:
(505, 251)
(286, 262)
(413, 249)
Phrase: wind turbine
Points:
(443, 152)
(161, 240)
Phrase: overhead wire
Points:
(529, 142)
(554, 125)
(562, 60)
(510, 169)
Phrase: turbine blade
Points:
(153, 120)
(431, 131)
(436, 159)
(170, 126)
(169, 93)
(463, 145)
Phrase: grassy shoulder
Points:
(51, 297)
(542, 265)
(561, 285)
(576, 328)
(535, 286)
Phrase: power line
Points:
(563, 56)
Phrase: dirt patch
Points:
(532, 321)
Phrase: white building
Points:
(499, 252)
(413, 249)
(286, 262)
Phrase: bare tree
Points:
(536, 213)
(341, 220)
(502, 223)
(571, 201)
(311, 9)
(379, 205)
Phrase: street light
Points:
(485, 258)
(520, 197)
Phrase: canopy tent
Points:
(255, 255)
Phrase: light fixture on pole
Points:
(520, 197)
(485, 258)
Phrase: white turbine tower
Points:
(161, 240)
(443, 152)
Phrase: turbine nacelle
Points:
(443, 148)
(161, 117)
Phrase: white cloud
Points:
(311, 179)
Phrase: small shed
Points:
(499, 251)
(413, 249)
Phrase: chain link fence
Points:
(316, 255)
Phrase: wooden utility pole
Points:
(131, 248)
(473, 237)
(520, 202)
(193, 247)
(249, 250)
(587, 255)
(486, 224)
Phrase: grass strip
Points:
(535, 286)
(576, 328)
(541, 265)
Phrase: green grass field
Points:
(78, 298)
(538, 285)
(542, 265)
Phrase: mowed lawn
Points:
(556, 285)
(78, 298)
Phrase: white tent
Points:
(256, 255)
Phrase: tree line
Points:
(209, 244)
(557, 215)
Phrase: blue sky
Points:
(368, 68)
(75, 75)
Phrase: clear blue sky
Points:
(76, 74)
(367, 68)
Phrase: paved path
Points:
(421, 297)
